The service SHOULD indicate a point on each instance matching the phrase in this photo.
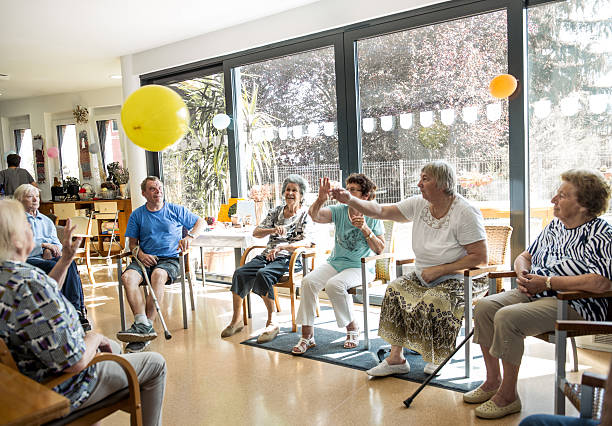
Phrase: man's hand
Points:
(431, 273)
(183, 244)
(147, 259)
(341, 194)
(54, 251)
(70, 244)
(324, 189)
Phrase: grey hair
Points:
(23, 190)
(299, 181)
(12, 222)
(143, 184)
(444, 175)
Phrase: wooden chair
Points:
(127, 399)
(83, 230)
(588, 395)
(183, 262)
(290, 280)
(498, 241)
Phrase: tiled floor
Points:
(221, 382)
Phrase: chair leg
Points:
(183, 290)
(293, 324)
(318, 311)
(89, 269)
(191, 291)
(574, 354)
(120, 290)
(468, 322)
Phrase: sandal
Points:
(303, 345)
(352, 339)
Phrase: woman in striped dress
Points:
(574, 252)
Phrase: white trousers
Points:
(336, 285)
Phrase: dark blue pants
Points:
(73, 288)
(259, 276)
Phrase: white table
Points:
(237, 238)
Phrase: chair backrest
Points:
(498, 241)
(383, 266)
(83, 224)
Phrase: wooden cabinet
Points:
(124, 207)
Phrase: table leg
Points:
(237, 257)
(202, 264)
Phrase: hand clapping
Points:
(70, 244)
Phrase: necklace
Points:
(438, 217)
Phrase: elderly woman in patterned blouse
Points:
(42, 330)
(287, 227)
(574, 252)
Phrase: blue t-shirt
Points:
(159, 232)
(350, 244)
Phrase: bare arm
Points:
(369, 208)
(476, 256)
(93, 341)
(592, 283)
(318, 214)
(199, 226)
(146, 259)
(58, 273)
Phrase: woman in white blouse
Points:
(423, 311)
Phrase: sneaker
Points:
(386, 369)
(269, 333)
(430, 368)
(134, 347)
(137, 333)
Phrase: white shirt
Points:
(439, 241)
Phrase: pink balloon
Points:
(53, 152)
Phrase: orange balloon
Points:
(503, 86)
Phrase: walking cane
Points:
(408, 401)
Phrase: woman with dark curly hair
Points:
(357, 236)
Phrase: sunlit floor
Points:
(219, 381)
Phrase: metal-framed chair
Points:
(183, 259)
(127, 399)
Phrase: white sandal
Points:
(303, 345)
(352, 339)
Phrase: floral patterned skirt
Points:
(425, 319)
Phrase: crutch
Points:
(135, 251)
(408, 401)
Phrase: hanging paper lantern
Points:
(569, 106)
(494, 111)
(470, 114)
(541, 108)
(313, 130)
(426, 118)
(296, 131)
(269, 132)
(328, 128)
(503, 86)
(282, 133)
(94, 148)
(368, 125)
(598, 103)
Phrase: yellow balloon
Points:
(154, 117)
(503, 86)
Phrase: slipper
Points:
(478, 395)
(230, 331)
(386, 369)
(490, 410)
(269, 333)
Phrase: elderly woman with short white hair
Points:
(48, 249)
(423, 311)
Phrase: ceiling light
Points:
(116, 76)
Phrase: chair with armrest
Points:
(127, 399)
(498, 239)
(291, 280)
(588, 395)
(83, 229)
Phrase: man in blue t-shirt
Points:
(155, 231)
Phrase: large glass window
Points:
(110, 144)
(424, 95)
(287, 119)
(23, 146)
(69, 155)
(570, 81)
(196, 170)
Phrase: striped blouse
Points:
(559, 251)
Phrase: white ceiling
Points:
(61, 46)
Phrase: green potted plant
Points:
(120, 175)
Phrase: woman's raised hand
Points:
(324, 189)
(70, 245)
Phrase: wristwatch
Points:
(189, 234)
(548, 286)
(369, 237)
